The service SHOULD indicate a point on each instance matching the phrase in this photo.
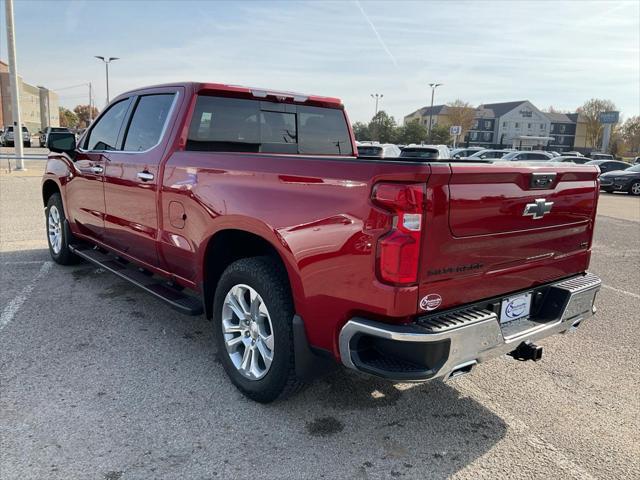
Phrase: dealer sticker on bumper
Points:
(515, 307)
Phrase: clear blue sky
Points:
(550, 52)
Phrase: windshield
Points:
(59, 129)
(427, 153)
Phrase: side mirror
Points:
(62, 142)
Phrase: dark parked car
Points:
(568, 159)
(601, 156)
(622, 180)
(45, 133)
(608, 165)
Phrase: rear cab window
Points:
(221, 124)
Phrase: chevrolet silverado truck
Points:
(251, 207)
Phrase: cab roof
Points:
(251, 92)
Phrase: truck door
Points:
(132, 177)
(85, 190)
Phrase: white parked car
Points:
(7, 138)
(533, 155)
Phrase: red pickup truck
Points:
(249, 205)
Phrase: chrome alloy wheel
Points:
(635, 188)
(54, 228)
(248, 332)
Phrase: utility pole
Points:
(376, 96)
(90, 105)
(15, 88)
(107, 61)
(433, 90)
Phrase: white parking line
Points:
(14, 305)
(634, 295)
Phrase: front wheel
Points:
(57, 236)
(635, 188)
(253, 312)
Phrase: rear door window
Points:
(104, 134)
(239, 125)
(148, 121)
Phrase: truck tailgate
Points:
(499, 228)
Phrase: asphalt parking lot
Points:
(100, 381)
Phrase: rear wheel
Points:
(635, 188)
(57, 235)
(253, 311)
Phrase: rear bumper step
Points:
(181, 301)
(451, 343)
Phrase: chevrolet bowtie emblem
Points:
(537, 209)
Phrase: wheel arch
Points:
(49, 187)
(226, 246)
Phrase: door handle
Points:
(145, 176)
(97, 169)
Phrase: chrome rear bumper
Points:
(452, 342)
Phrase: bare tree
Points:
(630, 132)
(461, 113)
(591, 111)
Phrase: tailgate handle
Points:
(541, 181)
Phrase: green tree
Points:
(591, 111)
(67, 118)
(412, 132)
(85, 115)
(383, 128)
(440, 135)
(361, 131)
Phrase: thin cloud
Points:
(375, 30)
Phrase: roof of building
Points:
(500, 109)
(556, 117)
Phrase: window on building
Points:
(487, 136)
(504, 124)
(542, 126)
(104, 134)
(528, 125)
(474, 135)
(148, 121)
(563, 128)
(476, 125)
(487, 124)
(517, 125)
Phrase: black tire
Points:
(635, 186)
(64, 256)
(269, 279)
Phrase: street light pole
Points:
(376, 96)
(433, 90)
(107, 61)
(15, 88)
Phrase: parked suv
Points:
(378, 150)
(250, 206)
(426, 152)
(45, 133)
(8, 137)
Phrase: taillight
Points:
(399, 250)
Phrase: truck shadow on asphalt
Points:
(121, 361)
